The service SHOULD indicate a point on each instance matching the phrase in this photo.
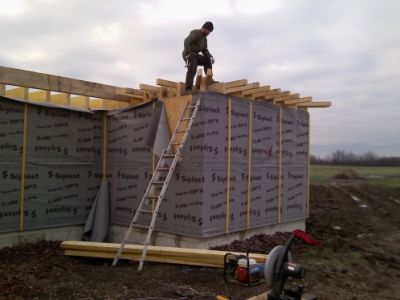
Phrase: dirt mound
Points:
(262, 243)
(348, 174)
(360, 239)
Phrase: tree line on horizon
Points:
(342, 157)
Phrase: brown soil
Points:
(359, 259)
(348, 173)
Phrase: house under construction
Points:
(243, 166)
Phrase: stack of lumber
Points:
(172, 255)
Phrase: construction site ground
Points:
(357, 223)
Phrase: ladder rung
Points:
(158, 182)
(190, 107)
(146, 211)
(141, 226)
(179, 131)
(169, 155)
(163, 169)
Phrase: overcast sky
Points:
(346, 51)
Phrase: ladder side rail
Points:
(186, 134)
(136, 216)
(177, 127)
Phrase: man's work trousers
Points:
(196, 60)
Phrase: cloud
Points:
(12, 8)
(344, 51)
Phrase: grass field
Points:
(389, 176)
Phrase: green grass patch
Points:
(389, 176)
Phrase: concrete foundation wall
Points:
(117, 233)
(48, 234)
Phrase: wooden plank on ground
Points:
(187, 256)
(60, 84)
(133, 248)
(149, 258)
(315, 104)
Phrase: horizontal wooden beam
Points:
(130, 92)
(60, 84)
(134, 97)
(276, 95)
(315, 104)
(217, 87)
(167, 83)
(267, 93)
(283, 98)
(236, 83)
(241, 88)
(298, 101)
(256, 90)
(150, 88)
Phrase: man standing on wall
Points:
(194, 43)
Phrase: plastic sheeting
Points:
(196, 200)
(96, 226)
(131, 135)
(62, 171)
(64, 156)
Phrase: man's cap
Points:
(209, 26)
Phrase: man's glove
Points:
(212, 60)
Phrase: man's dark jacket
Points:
(196, 42)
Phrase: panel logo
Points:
(62, 176)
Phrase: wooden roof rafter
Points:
(71, 91)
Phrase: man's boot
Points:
(211, 81)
